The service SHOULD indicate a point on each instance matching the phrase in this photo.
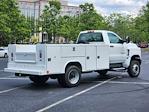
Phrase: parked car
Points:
(4, 52)
(143, 45)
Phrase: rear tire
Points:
(39, 80)
(71, 78)
(61, 80)
(134, 68)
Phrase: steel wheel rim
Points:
(136, 69)
(73, 76)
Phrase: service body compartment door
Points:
(90, 58)
(54, 63)
(72, 51)
(102, 57)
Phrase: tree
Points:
(124, 25)
(137, 28)
(69, 28)
(90, 19)
(87, 7)
(22, 30)
(13, 26)
(50, 18)
(142, 23)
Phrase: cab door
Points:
(102, 57)
(117, 49)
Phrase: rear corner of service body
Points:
(27, 59)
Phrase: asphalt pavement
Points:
(115, 93)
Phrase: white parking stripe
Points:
(12, 89)
(122, 82)
(11, 78)
(139, 83)
(8, 76)
(74, 95)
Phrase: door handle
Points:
(111, 46)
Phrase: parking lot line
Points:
(11, 78)
(12, 89)
(122, 82)
(139, 83)
(74, 95)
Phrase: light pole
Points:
(34, 18)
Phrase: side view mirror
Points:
(128, 39)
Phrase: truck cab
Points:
(120, 51)
(95, 50)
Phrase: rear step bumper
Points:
(25, 71)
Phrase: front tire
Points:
(134, 68)
(39, 80)
(71, 78)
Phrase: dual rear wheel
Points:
(39, 80)
(71, 78)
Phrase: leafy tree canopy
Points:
(13, 26)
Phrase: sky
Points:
(106, 7)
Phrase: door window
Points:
(113, 38)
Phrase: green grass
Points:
(145, 49)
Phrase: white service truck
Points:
(95, 50)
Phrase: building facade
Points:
(34, 8)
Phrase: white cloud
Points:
(107, 7)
